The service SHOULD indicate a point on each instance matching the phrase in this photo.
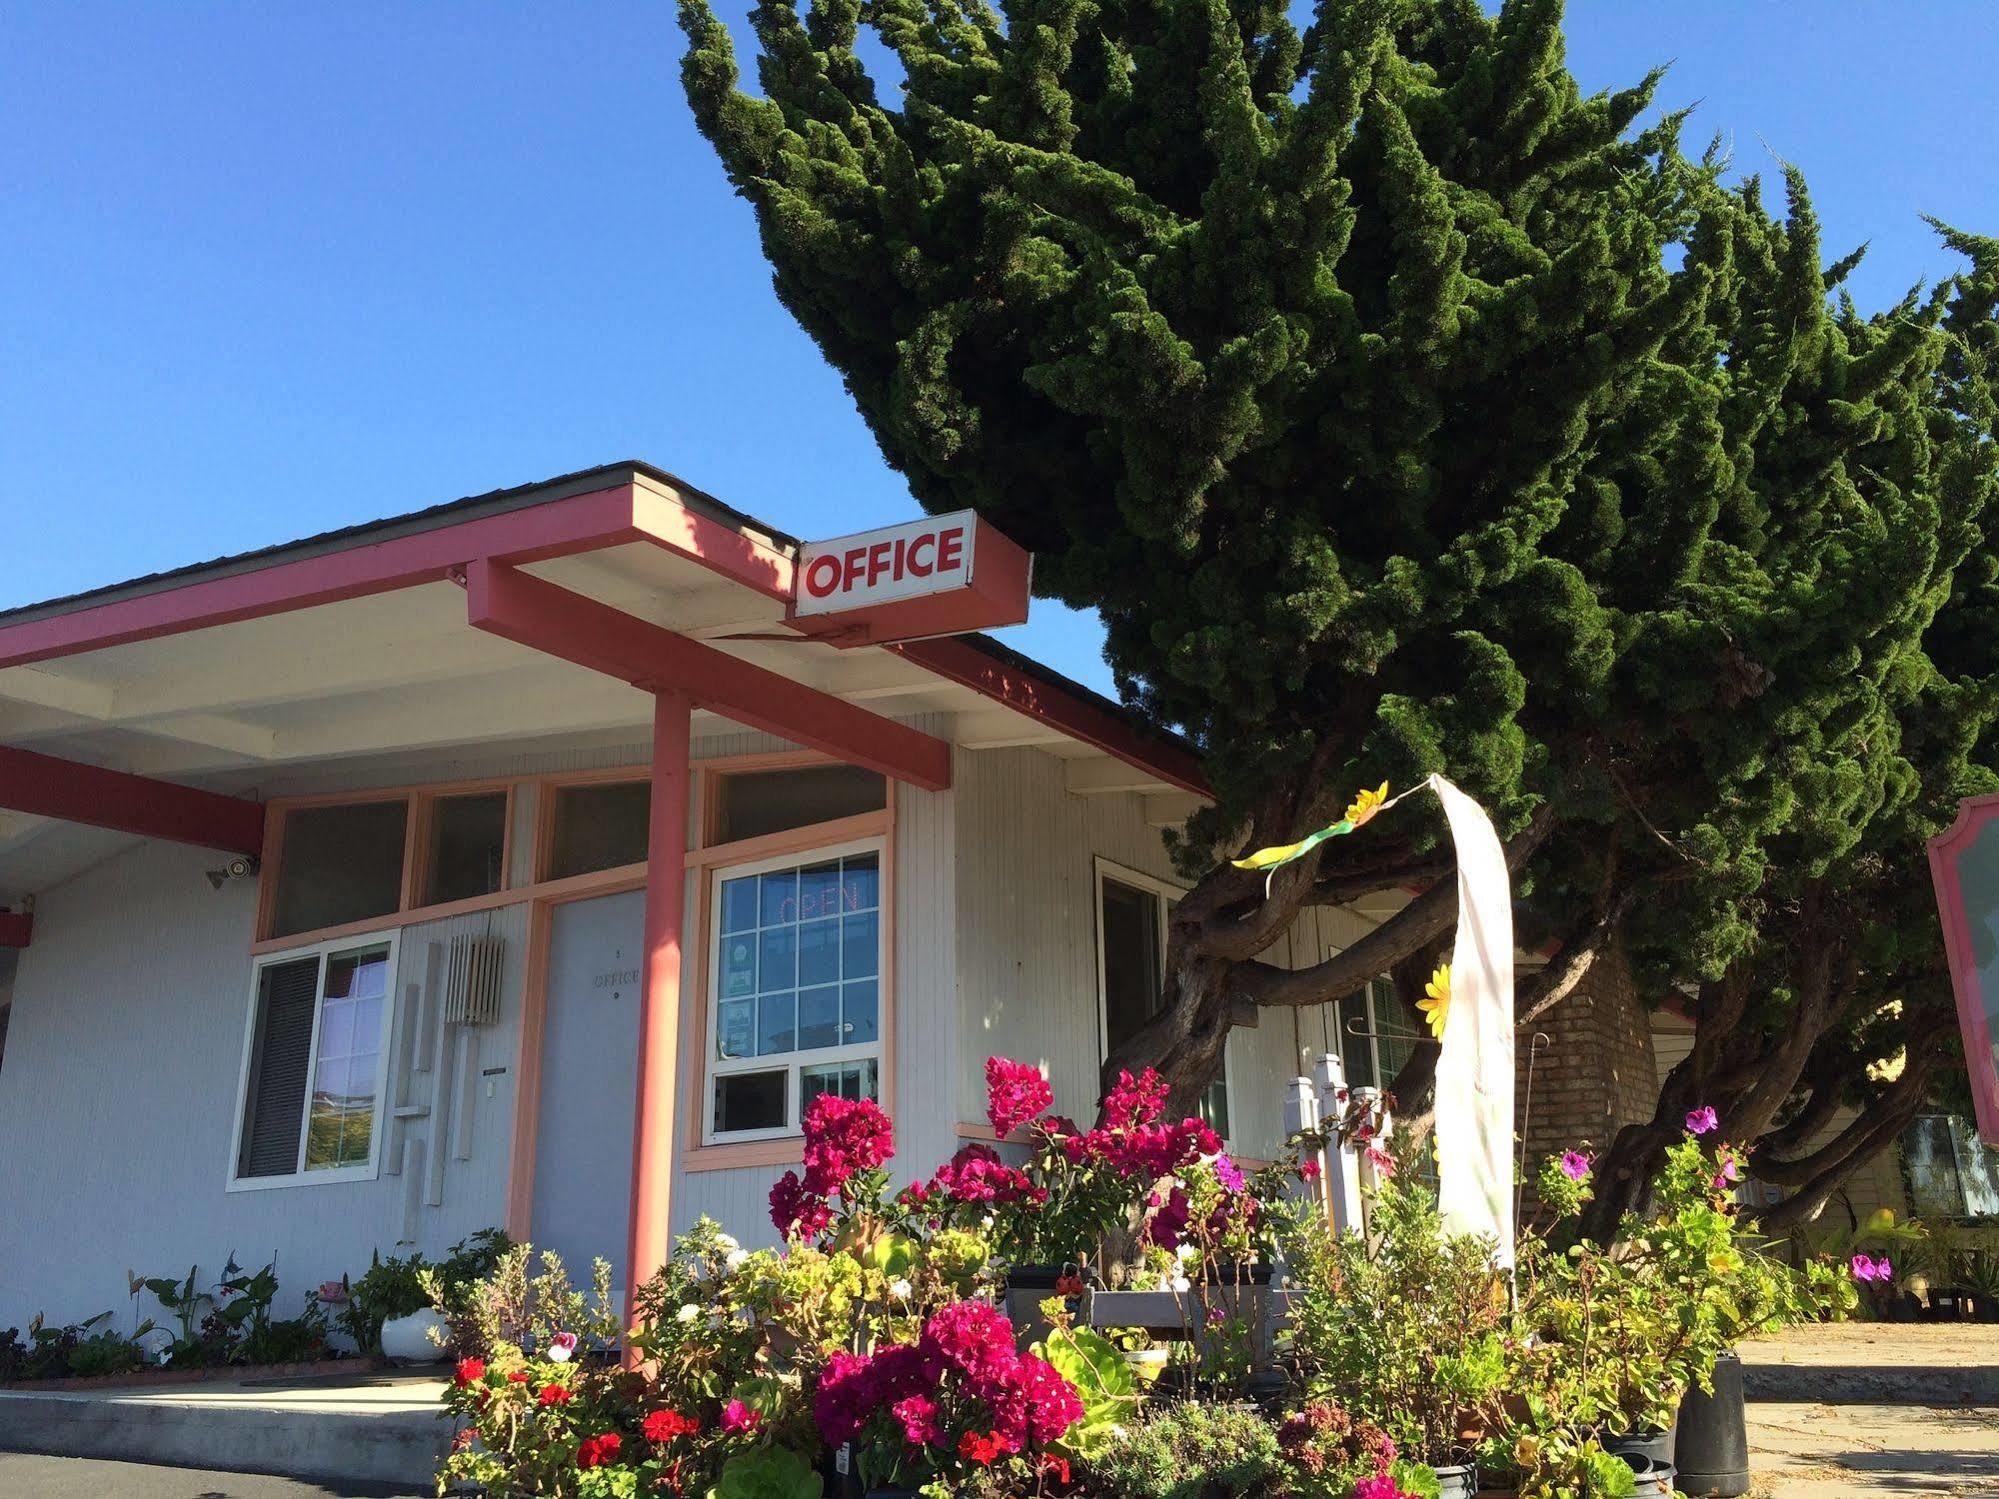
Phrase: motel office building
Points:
(333, 917)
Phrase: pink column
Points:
(653, 1131)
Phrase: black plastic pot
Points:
(1711, 1438)
(1654, 1446)
(1656, 1480)
(1459, 1481)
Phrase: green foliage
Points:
(1405, 1330)
(767, 1473)
(1619, 1335)
(1189, 1451)
(1104, 1382)
(390, 1288)
(1402, 407)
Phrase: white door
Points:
(589, 1067)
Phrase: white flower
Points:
(899, 1288)
(1181, 1284)
(1187, 1253)
(986, 1223)
(735, 1261)
(1165, 1283)
(687, 1313)
(728, 1241)
(166, 1355)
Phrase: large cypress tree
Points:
(1401, 408)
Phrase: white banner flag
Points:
(1475, 1069)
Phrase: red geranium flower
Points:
(555, 1394)
(517, 1376)
(594, 1450)
(664, 1425)
(470, 1371)
(979, 1448)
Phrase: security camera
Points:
(241, 867)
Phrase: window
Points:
(467, 847)
(1131, 962)
(598, 825)
(339, 864)
(1950, 1173)
(751, 803)
(795, 948)
(1371, 1058)
(312, 1082)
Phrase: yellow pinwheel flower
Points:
(1436, 1002)
(1366, 804)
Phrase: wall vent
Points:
(472, 980)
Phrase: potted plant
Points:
(1404, 1332)
(389, 1311)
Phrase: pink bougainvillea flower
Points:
(1381, 1486)
(920, 1424)
(843, 1136)
(739, 1420)
(1309, 1170)
(1381, 1160)
(1703, 1121)
(1135, 1100)
(977, 1174)
(796, 1212)
(1575, 1165)
(561, 1347)
(1015, 1094)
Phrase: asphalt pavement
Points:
(25, 1476)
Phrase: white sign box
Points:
(896, 562)
(938, 576)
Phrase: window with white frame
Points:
(313, 1066)
(795, 980)
(1368, 1031)
(1132, 910)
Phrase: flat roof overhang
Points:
(256, 670)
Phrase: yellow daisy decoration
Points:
(1366, 804)
(1436, 1002)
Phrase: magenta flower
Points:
(1729, 1174)
(560, 1347)
(1866, 1268)
(1703, 1121)
(1015, 1093)
(1575, 1165)
(842, 1136)
(738, 1419)
(1308, 1170)
(1229, 1174)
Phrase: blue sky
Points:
(271, 268)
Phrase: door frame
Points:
(534, 1018)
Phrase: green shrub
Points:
(1191, 1451)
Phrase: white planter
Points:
(406, 1340)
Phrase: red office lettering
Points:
(877, 561)
(823, 576)
(921, 569)
(901, 548)
(950, 545)
(852, 571)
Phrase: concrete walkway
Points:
(1869, 1408)
(364, 1428)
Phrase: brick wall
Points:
(1596, 1071)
